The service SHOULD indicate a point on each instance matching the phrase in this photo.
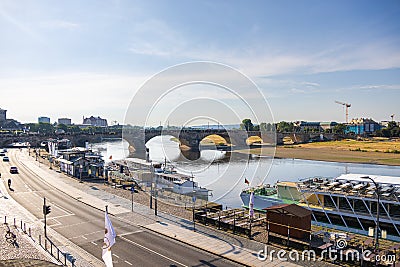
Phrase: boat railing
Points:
(359, 193)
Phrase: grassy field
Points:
(372, 152)
(354, 145)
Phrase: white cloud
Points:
(379, 87)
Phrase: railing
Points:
(48, 245)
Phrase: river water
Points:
(225, 173)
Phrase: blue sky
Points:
(82, 58)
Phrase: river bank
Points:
(350, 152)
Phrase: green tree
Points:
(62, 127)
(339, 128)
(284, 126)
(247, 125)
(73, 129)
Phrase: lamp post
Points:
(194, 215)
(151, 186)
(80, 173)
(377, 230)
(156, 196)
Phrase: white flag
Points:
(251, 205)
(109, 240)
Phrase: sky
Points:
(81, 58)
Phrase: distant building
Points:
(3, 116)
(308, 125)
(95, 121)
(362, 126)
(8, 124)
(64, 121)
(328, 125)
(315, 125)
(43, 120)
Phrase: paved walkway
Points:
(25, 247)
(236, 248)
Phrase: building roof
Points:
(380, 179)
(291, 209)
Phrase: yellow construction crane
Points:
(347, 105)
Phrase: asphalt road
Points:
(84, 225)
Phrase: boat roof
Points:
(292, 184)
(293, 209)
(381, 179)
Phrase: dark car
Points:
(13, 169)
(2, 154)
(5, 158)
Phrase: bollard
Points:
(15, 225)
(30, 234)
(5, 219)
(25, 228)
(40, 240)
(21, 226)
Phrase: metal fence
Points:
(64, 258)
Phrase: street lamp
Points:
(377, 216)
(80, 173)
(194, 206)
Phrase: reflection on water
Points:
(224, 172)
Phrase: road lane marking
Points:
(84, 237)
(130, 233)
(94, 243)
(127, 262)
(155, 252)
(115, 255)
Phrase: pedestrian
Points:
(9, 183)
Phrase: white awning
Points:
(380, 179)
(65, 161)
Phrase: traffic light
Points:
(46, 209)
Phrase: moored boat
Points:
(348, 202)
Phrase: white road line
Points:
(127, 262)
(155, 252)
(130, 233)
(84, 235)
(115, 255)
(76, 224)
(94, 243)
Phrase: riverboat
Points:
(348, 202)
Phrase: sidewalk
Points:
(233, 247)
(25, 248)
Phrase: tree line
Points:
(47, 129)
(287, 127)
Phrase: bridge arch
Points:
(214, 139)
(255, 139)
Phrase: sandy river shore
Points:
(351, 152)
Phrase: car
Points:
(2, 154)
(5, 158)
(13, 169)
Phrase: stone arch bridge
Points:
(237, 138)
(192, 137)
